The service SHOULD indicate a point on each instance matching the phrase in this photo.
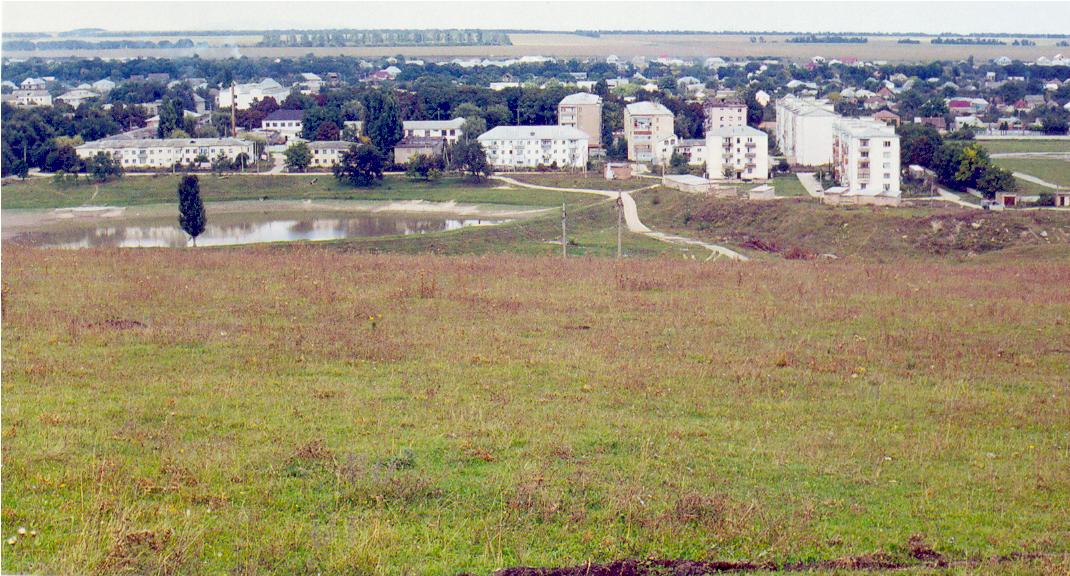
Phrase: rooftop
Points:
(285, 115)
(454, 124)
(648, 109)
(162, 143)
(534, 133)
(582, 98)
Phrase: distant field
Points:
(1054, 171)
(624, 45)
(1010, 146)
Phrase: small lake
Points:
(231, 229)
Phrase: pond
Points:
(86, 230)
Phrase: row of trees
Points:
(363, 163)
(958, 164)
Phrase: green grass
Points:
(134, 190)
(590, 181)
(789, 185)
(1054, 171)
(297, 410)
(1009, 146)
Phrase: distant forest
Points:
(338, 38)
(828, 39)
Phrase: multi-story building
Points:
(288, 123)
(327, 153)
(866, 157)
(30, 98)
(737, 152)
(245, 94)
(76, 97)
(804, 130)
(693, 149)
(582, 111)
(165, 153)
(649, 130)
(532, 146)
(724, 113)
(448, 130)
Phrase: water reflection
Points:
(163, 234)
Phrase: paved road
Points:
(631, 217)
(809, 181)
(949, 196)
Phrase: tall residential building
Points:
(532, 146)
(737, 152)
(582, 111)
(804, 130)
(724, 113)
(649, 130)
(866, 157)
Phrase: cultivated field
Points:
(624, 45)
(296, 410)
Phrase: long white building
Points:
(244, 94)
(166, 152)
(449, 130)
(650, 132)
(866, 157)
(804, 130)
(532, 146)
(737, 152)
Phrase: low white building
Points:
(287, 123)
(804, 130)
(76, 97)
(30, 98)
(866, 157)
(737, 153)
(104, 86)
(244, 94)
(326, 153)
(532, 146)
(449, 130)
(166, 152)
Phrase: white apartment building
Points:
(29, 98)
(724, 114)
(166, 152)
(326, 153)
(737, 152)
(866, 157)
(288, 123)
(244, 94)
(804, 130)
(582, 111)
(649, 130)
(532, 146)
(449, 130)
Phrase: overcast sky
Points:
(930, 17)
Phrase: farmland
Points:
(282, 410)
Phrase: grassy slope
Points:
(503, 410)
(788, 185)
(131, 190)
(878, 233)
(1054, 171)
(1004, 146)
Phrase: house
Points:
(103, 86)
(287, 123)
(245, 94)
(33, 84)
(417, 145)
(865, 157)
(888, 117)
(165, 153)
(937, 122)
(582, 111)
(724, 113)
(966, 106)
(448, 130)
(326, 153)
(198, 104)
(971, 121)
(30, 98)
(649, 131)
(533, 146)
(76, 97)
(804, 130)
(693, 149)
(618, 171)
(158, 77)
(687, 183)
(310, 83)
(737, 152)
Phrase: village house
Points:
(533, 146)
(75, 98)
(582, 111)
(30, 98)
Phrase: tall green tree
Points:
(470, 158)
(191, 216)
(360, 166)
(382, 123)
(103, 167)
(298, 157)
(169, 118)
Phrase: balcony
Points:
(750, 155)
(751, 144)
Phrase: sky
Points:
(926, 17)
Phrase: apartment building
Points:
(151, 153)
(327, 153)
(804, 130)
(288, 123)
(693, 149)
(532, 146)
(245, 94)
(866, 157)
(737, 153)
(724, 113)
(649, 130)
(582, 111)
(30, 98)
(448, 130)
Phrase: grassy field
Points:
(1054, 171)
(588, 181)
(298, 410)
(1010, 146)
(132, 190)
(789, 185)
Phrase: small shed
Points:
(618, 171)
(687, 183)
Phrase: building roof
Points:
(162, 143)
(730, 131)
(331, 145)
(418, 142)
(533, 133)
(285, 115)
(686, 142)
(581, 98)
(648, 109)
(454, 124)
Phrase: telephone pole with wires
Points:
(564, 230)
(620, 219)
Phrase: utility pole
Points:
(233, 106)
(620, 218)
(564, 231)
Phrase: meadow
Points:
(294, 409)
(1012, 146)
(1050, 170)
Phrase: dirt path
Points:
(1035, 180)
(631, 217)
(809, 181)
